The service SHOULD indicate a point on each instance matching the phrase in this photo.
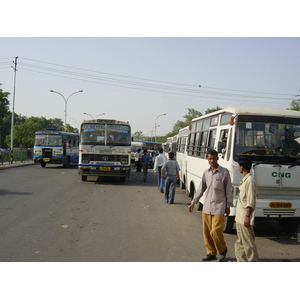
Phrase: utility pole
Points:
(13, 106)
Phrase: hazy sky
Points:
(135, 61)
(138, 79)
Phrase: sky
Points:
(148, 67)
(139, 79)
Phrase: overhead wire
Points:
(157, 86)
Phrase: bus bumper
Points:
(112, 171)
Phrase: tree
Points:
(4, 116)
(26, 127)
(192, 114)
(210, 110)
(138, 136)
(295, 105)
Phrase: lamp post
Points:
(66, 102)
(156, 126)
(96, 116)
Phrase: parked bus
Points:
(152, 145)
(181, 153)
(104, 149)
(56, 147)
(270, 137)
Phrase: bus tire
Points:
(83, 177)
(182, 185)
(289, 225)
(43, 164)
(229, 224)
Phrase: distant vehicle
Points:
(56, 147)
(105, 149)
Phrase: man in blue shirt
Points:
(145, 160)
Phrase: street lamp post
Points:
(66, 102)
(96, 116)
(156, 126)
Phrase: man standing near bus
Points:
(216, 182)
(160, 160)
(245, 247)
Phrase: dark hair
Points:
(245, 162)
(211, 152)
(171, 155)
(161, 150)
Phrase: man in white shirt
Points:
(160, 160)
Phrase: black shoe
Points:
(209, 257)
(162, 191)
(222, 255)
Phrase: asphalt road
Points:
(50, 215)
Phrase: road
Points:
(50, 215)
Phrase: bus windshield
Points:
(268, 139)
(48, 140)
(105, 134)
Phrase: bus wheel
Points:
(182, 184)
(229, 223)
(83, 177)
(43, 164)
(289, 225)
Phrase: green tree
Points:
(210, 110)
(295, 105)
(26, 127)
(138, 136)
(4, 117)
(192, 114)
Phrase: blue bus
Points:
(56, 147)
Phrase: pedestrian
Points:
(216, 182)
(137, 158)
(160, 160)
(170, 172)
(245, 247)
(145, 160)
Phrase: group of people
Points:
(216, 182)
(167, 171)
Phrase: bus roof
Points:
(259, 111)
(51, 131)
(106, 121)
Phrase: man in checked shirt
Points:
(218, 200)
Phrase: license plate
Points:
(280, 205)
(46, 159)
(104, 168)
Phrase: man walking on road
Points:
(218, 200)
(170, 172)
(245, 247)
(160, 160)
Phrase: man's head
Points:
(245, 164)
(212, 157)
(171, 155)
(161, 150)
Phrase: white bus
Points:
(181, 153)
(266, 135)
(56, 147)
(104, 149)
